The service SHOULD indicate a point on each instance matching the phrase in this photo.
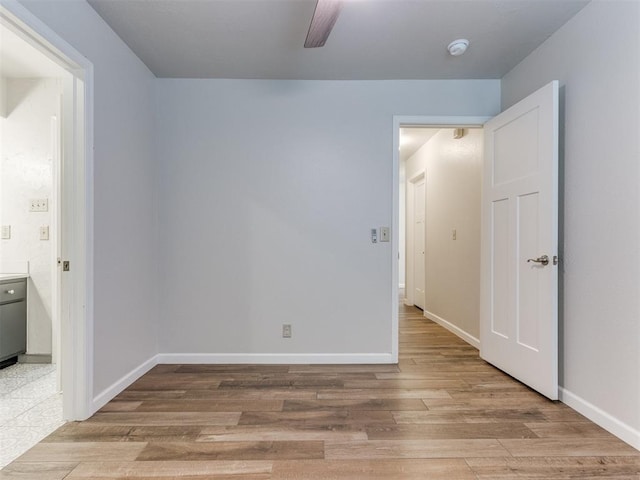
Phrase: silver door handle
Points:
(544, 260)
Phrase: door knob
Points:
(544, 260)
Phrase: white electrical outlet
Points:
(384, 234)
(6, 232)
(286, 330)
(44, 232)
(39, 205)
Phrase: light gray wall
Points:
(268, 192)
(596, 57)
(126, 260)
(452, 267)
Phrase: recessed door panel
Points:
(528, 302)
(520, 136)
(500, 266)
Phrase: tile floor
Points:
(30, 408)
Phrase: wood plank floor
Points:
(441, 413)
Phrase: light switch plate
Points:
(384, 234)
(39, 205)
(44, 232)
(6, 232)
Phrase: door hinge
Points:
(65, 266)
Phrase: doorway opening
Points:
(30, 142)
(46, 187)
(436, 210)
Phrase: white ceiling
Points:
(18, 59)
(412, 138)
(372, 39)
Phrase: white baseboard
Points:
(276, 358)
(110, 392)
(35, 358)
(470, 339)
(608, 422)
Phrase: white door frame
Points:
(411, 121)
(77, 126)
(410, 251)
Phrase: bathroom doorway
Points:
(46, 247)
(31, 87)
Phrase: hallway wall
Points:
(452, 267)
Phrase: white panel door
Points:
(519, 288)
(419, 204)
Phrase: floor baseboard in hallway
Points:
(441, 413)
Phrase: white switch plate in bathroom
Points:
(39, 205)
(384, 234)
(44, 232)
(6, 232)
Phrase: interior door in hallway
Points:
(419, 204)
(519, 273)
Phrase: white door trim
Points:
(411, 121)
(77, 336)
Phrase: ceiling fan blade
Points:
(324, 17)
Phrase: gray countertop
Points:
(13, 276)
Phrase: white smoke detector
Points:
(458, 47)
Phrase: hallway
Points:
(441, 413)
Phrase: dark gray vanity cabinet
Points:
(13, 318)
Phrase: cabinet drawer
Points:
(13, 291)
(13, 329)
